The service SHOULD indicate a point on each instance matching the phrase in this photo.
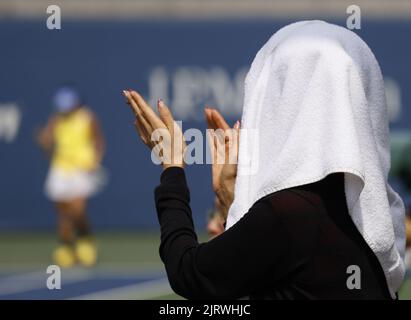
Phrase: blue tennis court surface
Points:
(83, 285)
(129, 268)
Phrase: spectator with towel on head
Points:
(311, 214)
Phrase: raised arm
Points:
(256, 253)
(98, 137)
(252, 255)
(44, 136)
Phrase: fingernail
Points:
(237, 125)
(160, 103)
(124, 92)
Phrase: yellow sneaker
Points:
(64, 256)
(86, 252)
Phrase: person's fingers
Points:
(209, 118)
(165, 115)
(220, 137)
(142, 126)
(228, 143)
(238, 132)
(215, 168)
(148, 129)
(231, 144)
(235, 140)
(133, 105)
(147, 112)
(141, 130)
(215, 147)
(210, 138)
(219, 120)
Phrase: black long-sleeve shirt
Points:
(297, 243)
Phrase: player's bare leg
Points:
(64, 254)
(85, 248)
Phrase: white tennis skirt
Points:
(65, 186)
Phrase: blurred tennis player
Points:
(74, 140)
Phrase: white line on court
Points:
(37, 280)
(140, 291)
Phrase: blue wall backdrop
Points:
(187, 63)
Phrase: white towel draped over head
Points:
(315, 96)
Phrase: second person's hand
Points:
(224, 150)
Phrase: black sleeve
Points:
(256, 253)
